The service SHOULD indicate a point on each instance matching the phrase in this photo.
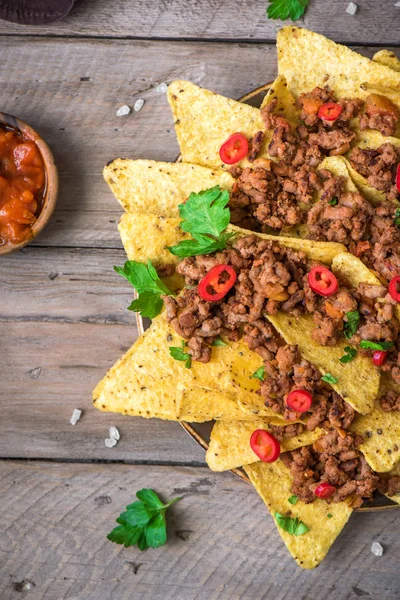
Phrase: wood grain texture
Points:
(222, 544)
(374, 22)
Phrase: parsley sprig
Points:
(286, 9)
(205, 216)
(148, 285)
(259, 373)
(143, 524)
(368, 345)
(329, 378)
(351, 325)
(293, 526)
(178, 353)
(396, 217)
(350, 354)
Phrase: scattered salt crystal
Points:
(123, 110)
(76, 415)
(352, 8)
(114, 433)
(397, 4)
(377, 549)
(162, 88)
(110, 442)
(138, 104)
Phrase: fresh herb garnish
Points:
(286, 9)
(329, 515)
(292, 525)
(351, 325)
(329, 378)
(367, 345)
(333, 201)
(293, 499)
(143, 523)
(148, 285)
(180, 354)
(259, 374)
(397, 217)
(218, 342)
(205, 216)
(349, 356)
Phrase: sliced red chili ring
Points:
(217, 283)
(299, 400)
(265, 445)
(398, 178)
(379, 357)
(394, 288)
(324, 490)
(234, 149)
(322, 281)
(330, 111)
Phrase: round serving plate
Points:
(201, 432)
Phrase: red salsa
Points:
(22, 185)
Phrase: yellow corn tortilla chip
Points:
(395, 472)
(273, 482)
(148, 237)
(157, 188)
(358, 380)
(230, 443)
(148, 382)
(307, 59)
(286, 105)
(204, 121)
(387, 58)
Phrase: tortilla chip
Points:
(358, 380)
(286, 105)
(395, 472)
(387, 58)
(204, 121)
(307, 59)
(230, 442)
(148, 382)
(148, 237)
(274, 483)
(157, 188)
(318, 251)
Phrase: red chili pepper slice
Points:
(265, 445)
(322, 281)
(324, 490)
(234, 149)
(330, 111)
(394, 288)
(379, 357)
(299, 400)
(398, 178)
(217, 283)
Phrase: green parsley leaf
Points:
(329, 378)
(259, 374)
(201, 244)
(219, 342)
(367, 345)
(293, 526)
(148, 285)
(329, 515)
(349, 356)
(351, 325)
(180, 354)
(293, 499)
(143, 523)
(333, 201)
(286, 9)
(397, 217)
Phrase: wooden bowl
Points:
(51, 185)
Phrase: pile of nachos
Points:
(269, 263)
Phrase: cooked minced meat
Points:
(378, 166)
(336, 459)
(283, 432)
(390, 401)
(380, 114)
(389, 484)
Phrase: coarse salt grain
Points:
(76, 415)
(110, 442)
(138, 104)
(162, 88)
(397, 4)
(114, 433)
(123, 111)
(352, 8)
(377, 549)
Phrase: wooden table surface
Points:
(63, 322)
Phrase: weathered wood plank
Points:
(219, 19)
(47, 370)
(222, 545)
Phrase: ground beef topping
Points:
(378, 166)
(380, 114)
(336, 459)
(389, 484)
